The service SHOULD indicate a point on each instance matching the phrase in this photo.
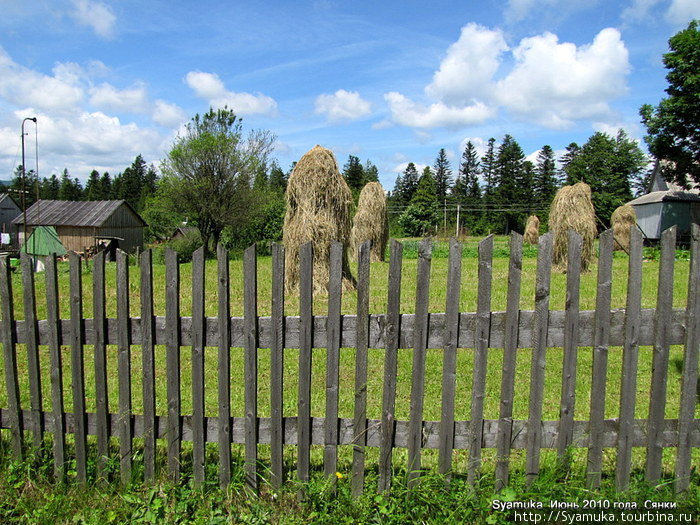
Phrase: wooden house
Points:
(8, 212)
(82, 225)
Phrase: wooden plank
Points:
(630, 350)
(431, 431)
(147, 326)
(100, 363)
(198, 366)
(250, 308)
(393, 329)
(58, 424)
(360, 413)
(420, 342)
(686, 409)
(277, 367)
(509, 361)
(599, 369)
(224, 368)
(125, 429)
(9, 348)
(659, 374)
(568, 387)
(305, 343)
(481, 347)
(32, 347)
(77, 367)
(335, 291)
(172, 357)
(449, 359)
(539, 356)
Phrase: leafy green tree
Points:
(210, 167)
(442, 175)
(544, 182)
(673, 126)
(608, 165)
(421, 215)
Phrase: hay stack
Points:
(572, 209)
(532, 230)
(622, 219)
(370, 222)
(318, 210)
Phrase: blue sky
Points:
(388, 81)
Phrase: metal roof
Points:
(666, 196)
(72, 213)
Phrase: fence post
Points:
(393, 332)
(449, 363)
(599, 370)
(32, 346)
(198, 327)
(690, 368)
(305, 345)
(224, 368)
(277, 366)
(481, 348)
(148, 363)
(100, 359)
(361, 343)
(77, 370)
(250, 308)
(172, 365)
(9, 346)
(125, 426)
(505, 422)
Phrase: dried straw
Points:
(622, 219)
(318, 211)
(371, 222)
(532, 230)
(572, 209)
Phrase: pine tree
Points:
(92, 187)
(50, 188)
(354, 174)
(572, 151)
(278, 179)
(421, 215)
(371, 172)
(514, 190)
(132, 179)
(442, 175)
(544, 178)
(106, 192)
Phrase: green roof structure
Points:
(44, 241)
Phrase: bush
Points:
(186, 245)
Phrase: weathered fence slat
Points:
(599, 369)
(250, 365)
(393, 327)
(77, 370)
(630, 351)
(277, 367)
(198, 328)
(58, 421)
(360, 413)
(172, 361)
(449, 363)
(686, 410)
(305, 344)
(10, 357)
(126, 430)
(335, 290)
(32, 347)
(100, 362)
(505, 428)
(539, 356)
(657, 398)
(481, 347)
(420, 343)
(148, 364)
(568, 386)
(224, 367)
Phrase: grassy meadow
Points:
(378, 302)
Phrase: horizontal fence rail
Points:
(482, 331)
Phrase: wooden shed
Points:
(8, 212)
(83, 224)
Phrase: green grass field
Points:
(376, 357)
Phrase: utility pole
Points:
(24, 182)
(444, 220)
(457, 229)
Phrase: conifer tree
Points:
(442, 174)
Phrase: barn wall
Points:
(649, 219)
(75, 238)
(133, 236)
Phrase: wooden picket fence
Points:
(481, 331)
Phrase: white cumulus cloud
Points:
(470, 64)
(409, 113)
(131, 100)
(554, 83)
(342, 105)
(167, 114)
(209, 87)
(96, 15)
(683, 11)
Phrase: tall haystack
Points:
(318, 210)
(622, 219)
(371, 222)
(532, 230)
(572, 209)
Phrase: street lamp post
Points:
(24, 179)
